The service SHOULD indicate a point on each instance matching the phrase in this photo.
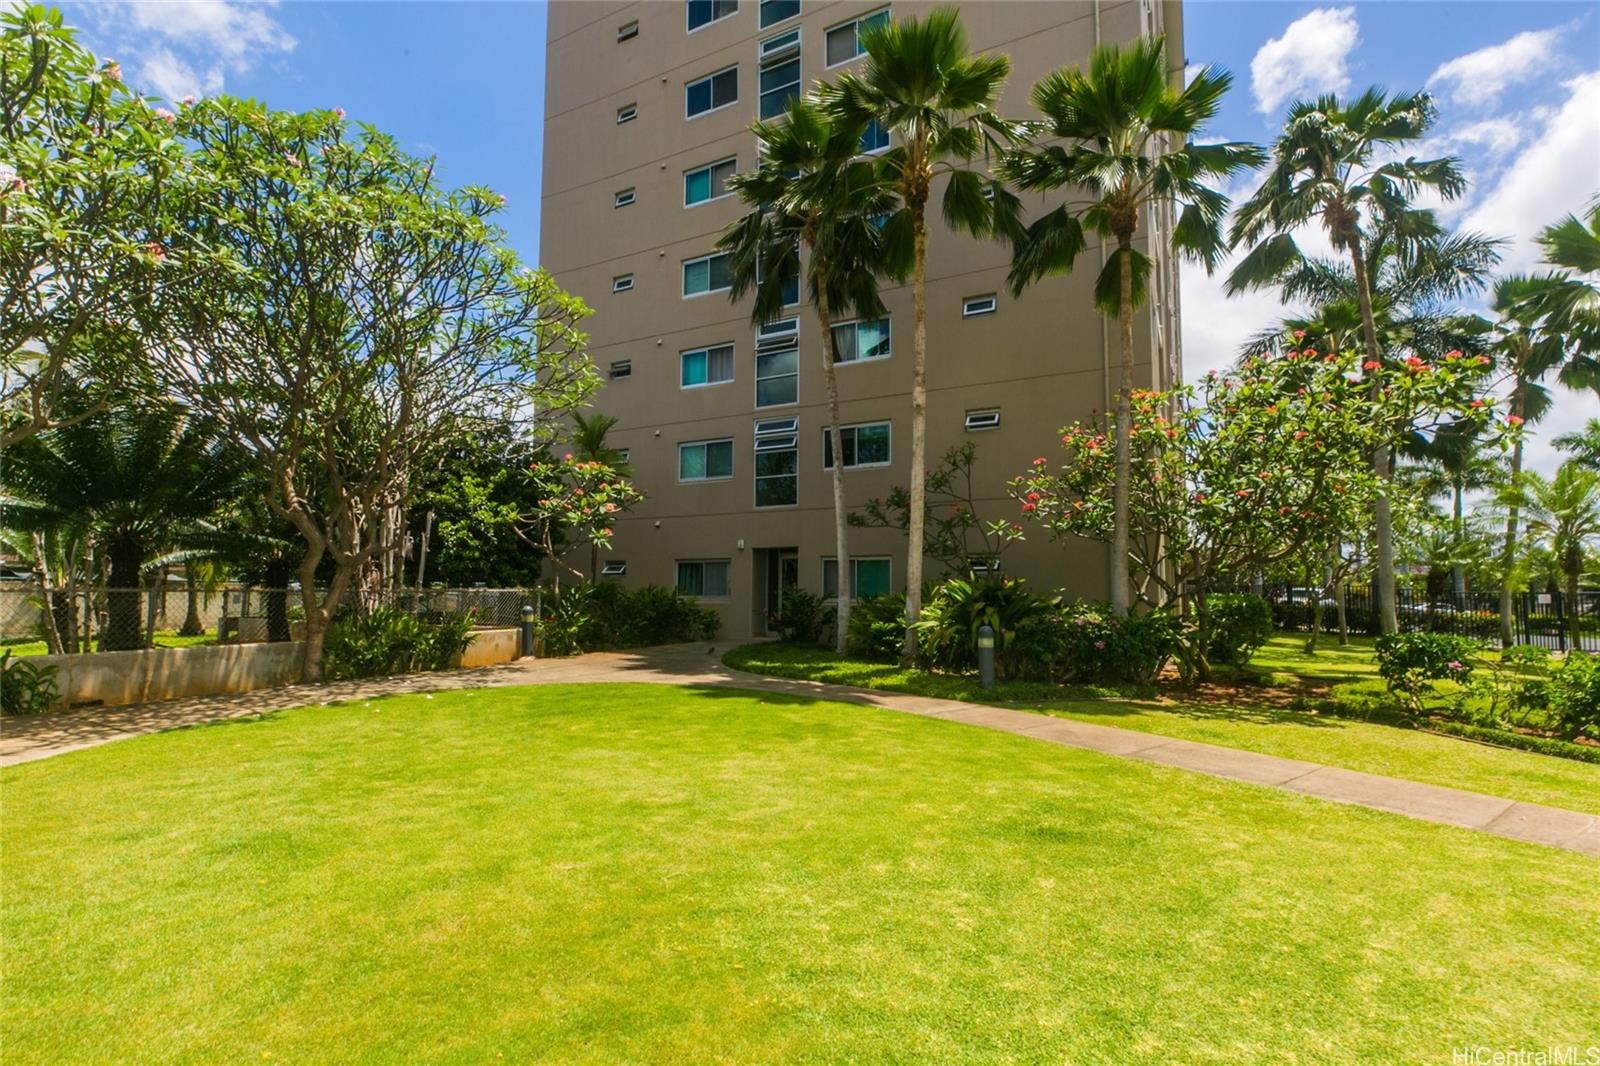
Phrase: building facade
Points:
(647, 113)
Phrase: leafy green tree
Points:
(351, 323)
(1574, 304)
(938, 102)
(137, 477)
(1452, 462)
(578, 501)
(1583, 445)
(815, 204)
(1127, 150)
(1565, 516)
(82, 236)
(1334, 164)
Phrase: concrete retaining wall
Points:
(114, 678)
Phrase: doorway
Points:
(782, 574)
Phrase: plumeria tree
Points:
(83, 237)
(1241, 473)
(953, 531)
(578, 502)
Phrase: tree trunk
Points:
(1508, 555)
(1201, 661)
(1458, 573)
(41, 568)
(192, 624)
(1383, 519)
(1340, 598)
(123, 626)
(841, 525)
(916, 517)
(1120, 516)
(275, 600)
(317, 617)
(1574, 569)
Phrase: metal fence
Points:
(1547, 619)
(90, 620)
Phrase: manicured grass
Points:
(164, 638)
(636, 873)
(1238, 718)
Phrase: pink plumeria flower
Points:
(112, 71)
(189, 101)
(166, 116)
(338, 113)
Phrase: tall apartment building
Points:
(647, 113)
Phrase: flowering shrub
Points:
(1099, 647)
(1411, 662)
(1023, 624)
(1575, 694)
(1240, 625)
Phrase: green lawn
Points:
(645, 874)
(164, 638)
(1242, 720)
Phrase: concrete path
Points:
(23, 740)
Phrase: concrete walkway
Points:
(24, 740)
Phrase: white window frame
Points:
(855, 323)
(766, 49)
(789, 53)
(888, 138)
(627, 113)
(854, 559)
(712, 22)
(755, 394)
(968, 302)
(627, 31)
(827, 439)
(706, 350)
(625, 366)
(701, 444)
(614, 568)
(856, 22)
(624, 198)
(707, 167)
(702, 259)
(676, 584)
(622, 283)
(775, 435)
(707, 77)
(761, 10)
(979, 421)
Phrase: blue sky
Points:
(1518, 85)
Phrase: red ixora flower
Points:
(1514, 420)
(1371, 364)
(1242, 492)
(1039, 461)
(1034, 496)
(1027, 507)
(1299, 334)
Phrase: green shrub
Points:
(1100, 648)
(1575, 694)
(954, 611)
(1240, 625)
(610, 616)
(1410, 663)
(392, 641)
(1505, 738)
(877, 628)
(26, 688)
(803, 618)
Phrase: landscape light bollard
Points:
(986, 656)
(527, 630)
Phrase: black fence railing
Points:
(1549, 619)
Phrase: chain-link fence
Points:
(92, 620)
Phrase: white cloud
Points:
(179, 47)
(1496, 136)
(1480, 77)
(1312, 56)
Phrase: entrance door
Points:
(783, 572)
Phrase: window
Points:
(704, 12)
(623, 198)
(622, 283)
(984, 564)
(791, 284)
(978, 305)
(711, 578)
(778, 363)
(777, 466)
(875, 138)
(623, 455)
(627, 113)
(614, 568)
(705, 460)
(713, 91)
(707, 182)
(780, 73)
(862, 341)
(844, 41)
(622, 368)
(628, 31)
(868, 577)
(775, 11)
(709, 273)
(866, 445)
(705, 366)
(977, 420)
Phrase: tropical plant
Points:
(878, 628)
(920, 85)
(1583, 445)
(1410, 664)
(1575, 694)
(26, 688)
(1564, 513)
(577, 501)
(1574, 304)
(1129, 149)
(390, 640)
(814, 192)
(957, 609)
(1240, 625)
(1334, 162)
(803, 617)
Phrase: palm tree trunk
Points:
(1458, 573)
(1574, 568)
(915, 518)
(1508, 556)
(1120, 515)
(192, 625)
(1383, 519)
(122, 596)
(841, 525)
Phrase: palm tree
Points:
(1574, 304)
(813, 193)
(1565, 513)
(1129, 149)
(1325, 168)
(589, 433)
(1583, 445)
(1451, 462)
(135, 477)
(920, 84)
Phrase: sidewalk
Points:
(24, 740)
